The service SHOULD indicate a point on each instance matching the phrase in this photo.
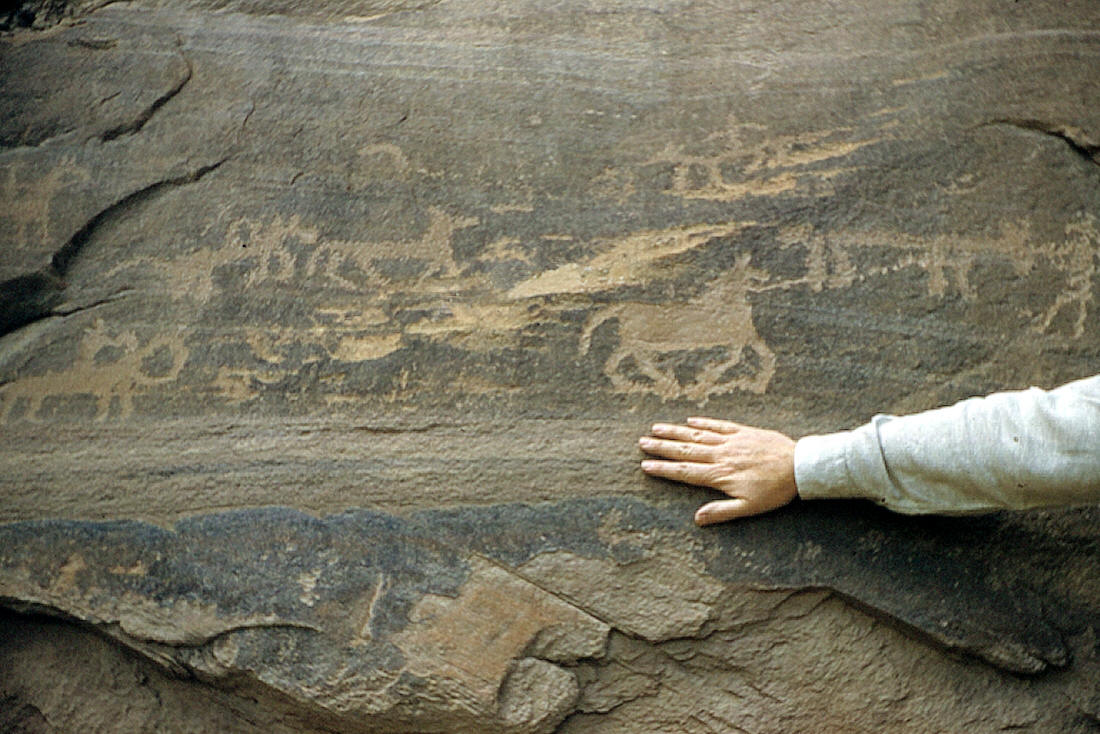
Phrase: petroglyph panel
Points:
(692, 348)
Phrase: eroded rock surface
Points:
(327, 330)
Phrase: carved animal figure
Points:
(652, 336)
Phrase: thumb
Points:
(723, 510)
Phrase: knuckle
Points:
(714, 474)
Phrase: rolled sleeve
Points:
(1011, 450)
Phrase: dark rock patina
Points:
(326, 330)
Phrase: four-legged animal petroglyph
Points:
(110, 367)
(714, 329)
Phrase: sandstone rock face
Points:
(328, 328)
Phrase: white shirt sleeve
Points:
(1010, 450)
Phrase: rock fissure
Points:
(126, 630)
(1075, 138)
(64, 257)
(1001, 653)
(279, 624)
(399, 429)
(97, 44)
(246, 118)
(564, 599)
(25, 305)
(134, 126)
(34, 296)
(62, 312)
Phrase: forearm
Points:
(1007, 450)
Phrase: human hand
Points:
(754, 466)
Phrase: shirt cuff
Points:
(820, 469)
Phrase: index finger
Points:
(712, 424)
(684, 433)
(688, 472)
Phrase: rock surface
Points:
(328, 328)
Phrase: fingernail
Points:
(649, 465)
(645, 441)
